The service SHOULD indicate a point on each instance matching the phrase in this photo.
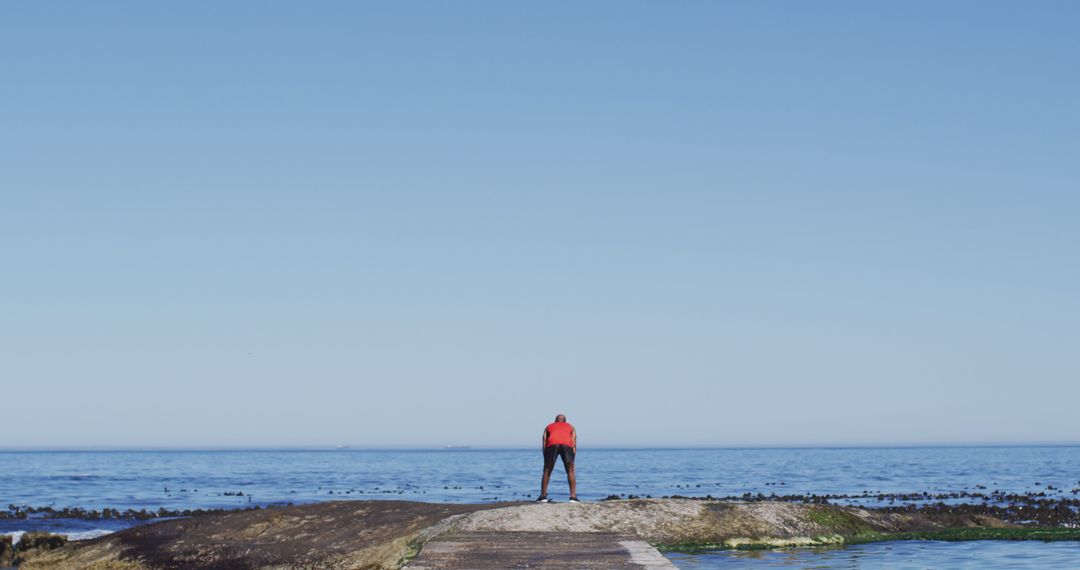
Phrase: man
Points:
(560, 440)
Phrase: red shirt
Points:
(560, 433)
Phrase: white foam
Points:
(88, 534)
(17, 535)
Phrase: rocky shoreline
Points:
(30, 545)
(24, 512)
(1021, 508)
(386, 534)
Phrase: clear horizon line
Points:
(517, 447)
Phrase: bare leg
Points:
(545, 480)
(571, 479)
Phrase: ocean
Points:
(177, 480)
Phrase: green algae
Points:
(1043, 534)
(837, 521)
(412, 550)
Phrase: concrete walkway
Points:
(540, 550)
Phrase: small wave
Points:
(72, 477)
(88, 534)
(17, 535)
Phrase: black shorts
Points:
(558, 450)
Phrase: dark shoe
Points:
(543, 499)
(574, 500)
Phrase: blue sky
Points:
(432, 223)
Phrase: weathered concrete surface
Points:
(384, 534)
(538, 550)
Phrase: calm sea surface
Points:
(982, 555)
(212, 479)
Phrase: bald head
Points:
(560, 418)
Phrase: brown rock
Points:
(40, 541)
(35, 543)
(336, 535)
(7, 552)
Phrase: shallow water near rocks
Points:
(896, 555)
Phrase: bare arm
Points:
(543, 440)
(573, 438)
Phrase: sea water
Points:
(981, 555)
(177, 480)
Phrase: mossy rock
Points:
(837, 521)
(945, 534)
(968, 533)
